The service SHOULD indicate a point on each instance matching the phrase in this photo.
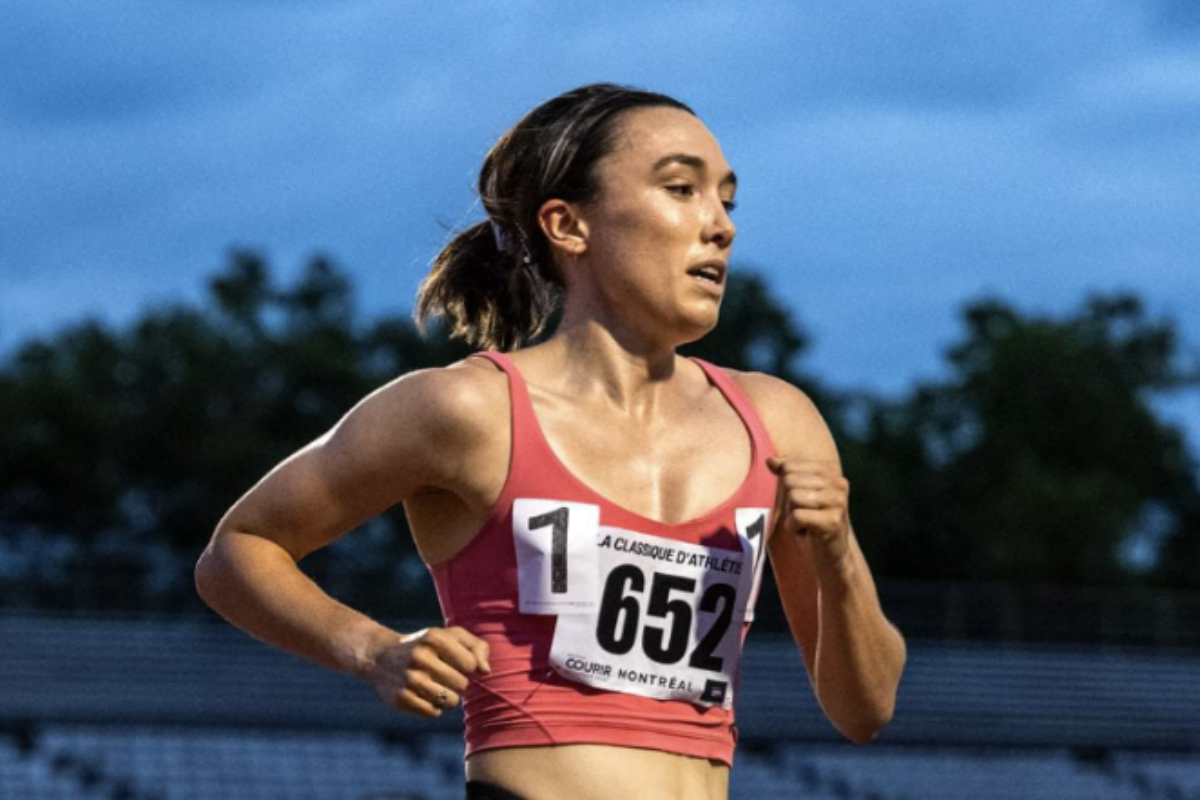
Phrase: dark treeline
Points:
(1037, 459)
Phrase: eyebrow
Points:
(695, 162)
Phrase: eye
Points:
(730, 205)
(681, 189)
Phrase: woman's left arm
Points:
(854, 656)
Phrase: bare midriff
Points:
(600, 772)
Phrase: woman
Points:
(594, 508)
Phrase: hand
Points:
(813, 503)
(426, 672)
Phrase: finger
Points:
(818, 484)
(478, 647)
(829, 519)
(483, 653)
(823, 483)
(436, 694)
(443, 670)
(427, 662)
(815, 498)
(462, 650)
(822, 525)
(781, 490)
(410, 700)
(782, 464)
(814, 473)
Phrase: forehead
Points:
(647, 134)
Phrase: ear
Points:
(564, 227)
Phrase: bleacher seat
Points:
(1167, 775)
(182, 764)
(905, 773)
(30, 776)
(756, 777)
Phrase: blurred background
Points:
(969, 232)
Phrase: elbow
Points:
(863, 720)
(862, 715)
(861, 737)
(205, 575)
(879, 703)
(866, 728)
(228, 570)
(215, 573)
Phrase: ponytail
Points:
(492, 299)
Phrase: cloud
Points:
(79, 64)
(941, 54)
(883, 215)
(896, 159)
(1149, 104)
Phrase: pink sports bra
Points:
(607, 627)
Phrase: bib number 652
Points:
(620, 612)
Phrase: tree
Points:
(1040, 458)
(130, 444)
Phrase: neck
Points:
(610, 364)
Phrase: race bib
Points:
(556, 564)
(661, 619)
(753, 526)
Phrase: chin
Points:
(693, 329)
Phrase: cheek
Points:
(645, 228)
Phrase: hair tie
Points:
(504, 243)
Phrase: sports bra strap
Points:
(742, 404)
(523, 418)
(532, 457)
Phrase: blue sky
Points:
(896, 159)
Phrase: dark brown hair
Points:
(495, 283)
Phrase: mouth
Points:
(709, 272)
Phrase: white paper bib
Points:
(637, 613)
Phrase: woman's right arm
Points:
(413, 434)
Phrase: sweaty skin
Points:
(657, 439)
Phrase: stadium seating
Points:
(920, 774)
(89, 762)
(145, 763)
(166, 710)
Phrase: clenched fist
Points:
(813, 502)
(426, 672)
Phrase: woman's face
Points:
(658, 236)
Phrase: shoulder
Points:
(795, 424)
(446, 411)
(461, 393)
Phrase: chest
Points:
(673, 469)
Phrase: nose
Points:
(721, 229)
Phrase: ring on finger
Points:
(440, 701)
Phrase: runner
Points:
(595, 509)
